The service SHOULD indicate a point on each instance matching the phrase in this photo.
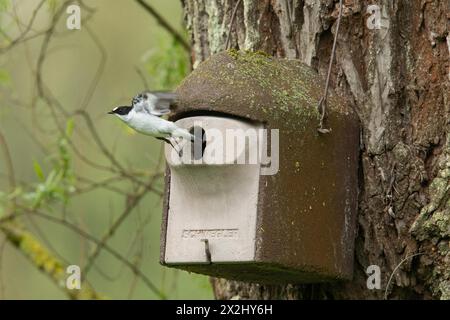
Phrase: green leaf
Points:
(38, 170)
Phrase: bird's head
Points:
(121, 112)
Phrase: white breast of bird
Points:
(150, 125)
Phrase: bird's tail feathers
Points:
(183, 133)
(196, 136)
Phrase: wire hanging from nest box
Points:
(322, 107)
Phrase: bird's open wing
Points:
(162, 102)
(155, 103)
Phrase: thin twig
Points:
(112, 230)
(130, 206)
(395, 270)
(104, 149)
(93, 185)
(9, 162)
(11, 175)
(163, 23)
(144, 80)
(98, 72)
(27, 29)
(322, 107)
(45, 44)
(233, 15)
(2, 253)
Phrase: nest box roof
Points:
(253, 85)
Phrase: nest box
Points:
(280, 205)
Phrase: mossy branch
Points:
(44, 260)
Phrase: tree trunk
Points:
(397, 79)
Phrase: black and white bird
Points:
(145, 116)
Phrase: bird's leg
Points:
(180, 151)
(180, 148)
(166, 140)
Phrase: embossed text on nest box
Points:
(210, 233)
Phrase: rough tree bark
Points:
(397, 79)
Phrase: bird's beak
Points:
(111, 112)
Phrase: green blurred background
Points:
(131, 38)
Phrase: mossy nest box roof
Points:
(303, 230)
(279, 92)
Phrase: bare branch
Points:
(25, 32)
(134, 201)
(99, 70)
(8, 161)
(163, 23)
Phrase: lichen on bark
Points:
(433, 225)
